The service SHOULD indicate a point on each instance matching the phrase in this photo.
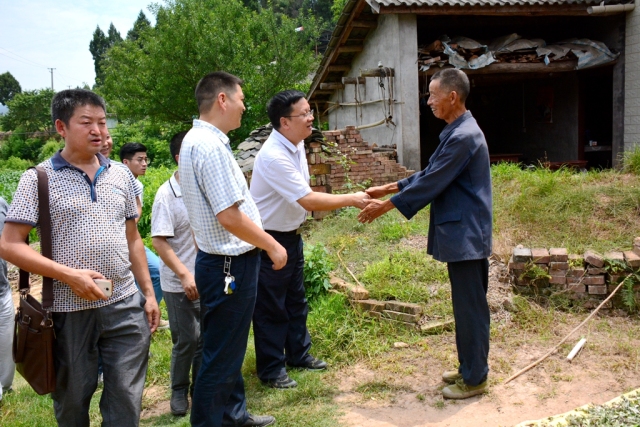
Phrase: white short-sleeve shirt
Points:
(169, 219)
(280, 178)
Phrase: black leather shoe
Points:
(179, 403)
(259, 421)
(311, 364)
(282, 382)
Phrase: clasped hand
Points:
(374, 208)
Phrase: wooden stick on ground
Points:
(553, 350)
(347, 268)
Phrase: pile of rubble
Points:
(466, 53)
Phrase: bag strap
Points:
(45, 239)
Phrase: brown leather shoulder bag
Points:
(34, 336)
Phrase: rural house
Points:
(554, 80)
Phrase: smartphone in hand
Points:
(105, 285)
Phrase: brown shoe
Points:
(450, 377)
(460, 390)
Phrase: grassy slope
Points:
(535, 208)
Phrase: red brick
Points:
(594, 258)
(593, 280)
(577, 288)
(632, 259)
(540, 256)
(597, 289)
(594, 270)
(558, 255)
(557, 280)
(614, 255)
(558, 265)
(576, 272)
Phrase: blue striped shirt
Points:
(211, 182)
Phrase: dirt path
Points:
(532, 396)
(606, 368)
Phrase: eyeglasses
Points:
(143, 160)
(304, 115)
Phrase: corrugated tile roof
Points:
(419, 3)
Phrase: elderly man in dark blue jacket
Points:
(457, 184)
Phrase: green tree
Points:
(194, 37)
(141, 24)
(99, 46)
(9, 87)
(29, 111)
(336, 9)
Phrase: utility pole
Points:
(51, 70)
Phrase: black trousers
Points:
(280, 317)
(469, 284)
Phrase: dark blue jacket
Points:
(457, 183)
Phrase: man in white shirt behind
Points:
(280, 188)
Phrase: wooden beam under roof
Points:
(332, 86)
(364, 24)
(528, 10)
(350, 49)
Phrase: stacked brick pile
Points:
(375, 167)
(402, 313)
(588, 276)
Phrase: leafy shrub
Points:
(9, 182)
(50, 148)
(14, 163)
(631, 161)
(316, 270)
(21, 147)
(152, 180)
(154, 136)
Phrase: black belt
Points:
(286, 233)
(252, 252)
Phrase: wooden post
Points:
(378, 72)
(332, 86)
(353, 80)
(350, 49)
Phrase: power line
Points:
(22, 57)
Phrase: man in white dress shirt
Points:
(280, 188)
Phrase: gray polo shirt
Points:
(87, 224)
(5, 287)
(169, 218)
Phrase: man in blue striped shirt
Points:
(228, 232)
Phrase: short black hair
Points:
(281, 105)
(128, 150)
(176, 143)
(454, 80)
(211, 85)
(65, 102)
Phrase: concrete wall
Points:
(395, 44)
(632, 80)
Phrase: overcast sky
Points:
(40, 34)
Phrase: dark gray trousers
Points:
(186, 355)
(119, 333)
(469, 285)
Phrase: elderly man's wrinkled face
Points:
(440, 101)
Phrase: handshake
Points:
(368, 201)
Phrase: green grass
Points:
(537, 208)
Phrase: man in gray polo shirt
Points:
(280, 188)
(94, 236)
(172, 238)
